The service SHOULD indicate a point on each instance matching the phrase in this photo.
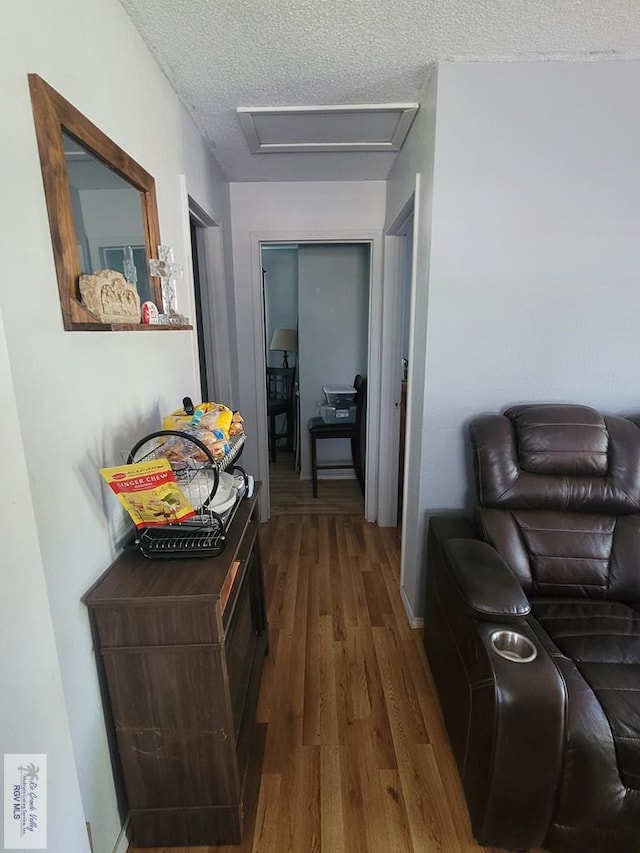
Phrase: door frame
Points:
(412, 555)
(398, 272)
(374, 366)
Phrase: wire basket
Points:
(207, 483)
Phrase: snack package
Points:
(149, 493)
(181, 452)
(180, 419)
(219, 418)
(236, 427)
(210, 416)
(215, 440)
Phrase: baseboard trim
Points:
(122, 842)
(331, 474)
(414, 621)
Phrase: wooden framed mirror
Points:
(100, 202)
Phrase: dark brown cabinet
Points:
(181, 644)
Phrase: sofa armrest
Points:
(487, 586)
(504, 718)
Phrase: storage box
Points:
(339, 395)
(338, 414)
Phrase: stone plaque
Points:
(112, 299)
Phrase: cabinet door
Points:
(241, 642)
(173, 723)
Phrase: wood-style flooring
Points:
(291, 495)
(356, 757)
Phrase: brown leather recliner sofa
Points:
(532, 630)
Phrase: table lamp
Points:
(286, 341)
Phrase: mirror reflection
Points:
(108, 218)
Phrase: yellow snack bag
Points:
(149, 493)
(211, 416)
(180, 419)
(217, 418)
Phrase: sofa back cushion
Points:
(559, 498)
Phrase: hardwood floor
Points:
(291, 495)
(356, 757)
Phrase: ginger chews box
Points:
(149, 493)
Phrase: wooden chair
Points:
(280, 397)
(355, 432)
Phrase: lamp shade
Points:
(285, 340)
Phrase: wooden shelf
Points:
(128, 327)
(82, 320)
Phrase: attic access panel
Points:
(353, 127)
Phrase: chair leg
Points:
(272, 437)
(356, 456)
(314, 466)
(290, 428)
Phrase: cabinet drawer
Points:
(247, 545)
(167, 624)
(243, 557)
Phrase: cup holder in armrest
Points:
(513, 646)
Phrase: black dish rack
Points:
(198, 476)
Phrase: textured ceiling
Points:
(223, 54)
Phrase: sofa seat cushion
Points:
(603, 639)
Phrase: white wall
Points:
(82, 398)
(33, 717)
(537, 178)
(285, 212)
(534, 283)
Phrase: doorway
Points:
(321, 292)
(198, 266)
(212, 344)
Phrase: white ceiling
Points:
(224, 54)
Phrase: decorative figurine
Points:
(107, 295)
(164, 268)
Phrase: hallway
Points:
(356, 759)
